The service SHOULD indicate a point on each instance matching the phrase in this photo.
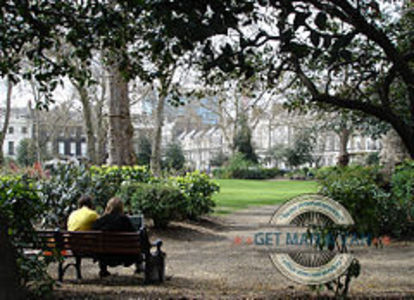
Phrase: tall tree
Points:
(87, 117)
(144, 150)
(121, 151)
(163, 92)
(101, 124)
(301, 151)
(5, 124)
(243, 140)
(234, 100)
(174, 157)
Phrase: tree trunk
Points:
(393, 151)
(87, 116)
(9, 287)
(406, 134)
(6, 120)
(35, 116)
(235, 125)
(101, 130)
(120, 128)
(157, 136)
(343, 159)
(224, 128)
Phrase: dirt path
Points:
(213, 259)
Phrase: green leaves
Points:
(374, 209)
(173, 198)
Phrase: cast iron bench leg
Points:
(78, 267)
(61, 271)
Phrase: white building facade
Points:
(200, 147)
(20, 127)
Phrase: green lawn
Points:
(238, 194)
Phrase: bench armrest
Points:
(158, 244)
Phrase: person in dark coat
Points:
(113, 220)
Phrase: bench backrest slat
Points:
(92, 242)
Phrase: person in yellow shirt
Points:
(82, 218)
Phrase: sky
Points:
(22, 93)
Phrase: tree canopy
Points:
(313, 48)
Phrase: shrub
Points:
(26, 153)
(302, 174)
(107, 180)
(242, 141)
(323, 172)
(358, 190)
(144, 151)
(62, 190)
(174, 157)
(373, 206)
(219, 159)
(160, 202)
(115, 175)
(20, 208)
(402, 188)
(197, 190)
(220, 173)
(240, 168)
(269, 173)
(372, 159)
(69, 182)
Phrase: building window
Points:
(49, 147)
(61, 148)
(24, 130)
(72, 148)
(11, 130)
(11, 148)
(84, 149)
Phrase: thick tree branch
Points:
(354, 18)
(381, 113)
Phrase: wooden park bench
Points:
(96, 244)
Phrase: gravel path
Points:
(213, 259)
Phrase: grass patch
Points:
(237, 194)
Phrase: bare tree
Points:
(87, 117)
(237, 98)
(164, 89)
(101, 120)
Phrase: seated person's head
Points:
(114, 206)
(85, 201)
